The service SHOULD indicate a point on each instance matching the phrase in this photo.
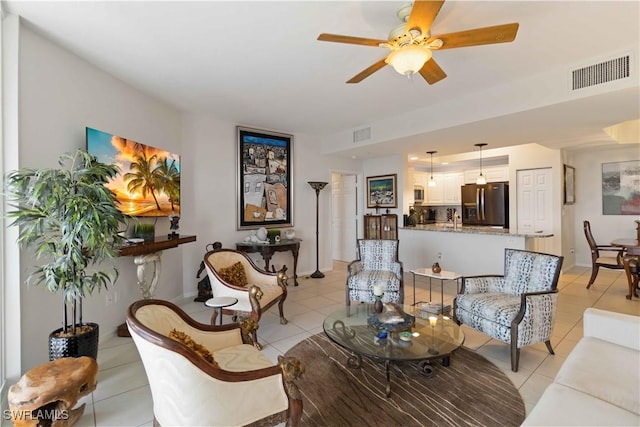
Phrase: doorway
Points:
(344, 215)
(535, 203)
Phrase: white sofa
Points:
(599, 383)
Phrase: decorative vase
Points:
(377, 306)
(261, 234)
(436, 268)
(290, 234)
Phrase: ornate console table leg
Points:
(148, 288)
(294, 251)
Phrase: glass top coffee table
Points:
(422, 338)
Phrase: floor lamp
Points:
(316, 185)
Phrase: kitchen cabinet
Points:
(451, 183)
(435, 195)
(381, 226)
(491, 173)
(420, 178)
(447, 189)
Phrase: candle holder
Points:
(377, 305)
(433, 320)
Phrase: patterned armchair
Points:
(377, 264)
(517, 308)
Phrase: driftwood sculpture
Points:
(46, 395)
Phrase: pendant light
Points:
(481, 178)
(432, 182)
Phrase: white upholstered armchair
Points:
(256, 291)
(377, 264)
(518, 307)
(203, 375)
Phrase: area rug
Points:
(470, 392)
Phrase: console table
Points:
(268, 249)
(148, 254)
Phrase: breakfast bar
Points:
(464, 249)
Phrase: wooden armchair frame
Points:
(283, 369)
(253, 293)
(527, 303)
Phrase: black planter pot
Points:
(85, 344)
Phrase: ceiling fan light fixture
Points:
(408, 60)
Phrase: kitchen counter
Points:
(466, 250)
(476, 229)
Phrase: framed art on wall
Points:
(264, 179)
(382, 191)
(569, 185)
(621, 188)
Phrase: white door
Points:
(344, 218)
(534, 202)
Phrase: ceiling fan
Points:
(411, 43)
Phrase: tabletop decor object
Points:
(377, 294)
(436, 268)
(391, 318)
(318, 186)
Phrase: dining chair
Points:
(597, 259)
(631, 262)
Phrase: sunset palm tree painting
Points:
(149, 180)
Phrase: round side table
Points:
(220, 303)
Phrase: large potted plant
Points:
(71, 219)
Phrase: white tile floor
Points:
(123, 397)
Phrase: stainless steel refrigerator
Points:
(486, 204)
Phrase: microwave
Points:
(418, 194)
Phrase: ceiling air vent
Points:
(361, 134)
(603, 72)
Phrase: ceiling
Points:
(259, 63)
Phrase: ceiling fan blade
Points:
(432, 72)
(368, 71)
(487, 35)
(350, 40)
(423, 14)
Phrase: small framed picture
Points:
(569, 185)
(382, 191)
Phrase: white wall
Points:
(588, 206)
(60, 94)
(569, 237)
(395, 164)
(534, 156)
(209, 197)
